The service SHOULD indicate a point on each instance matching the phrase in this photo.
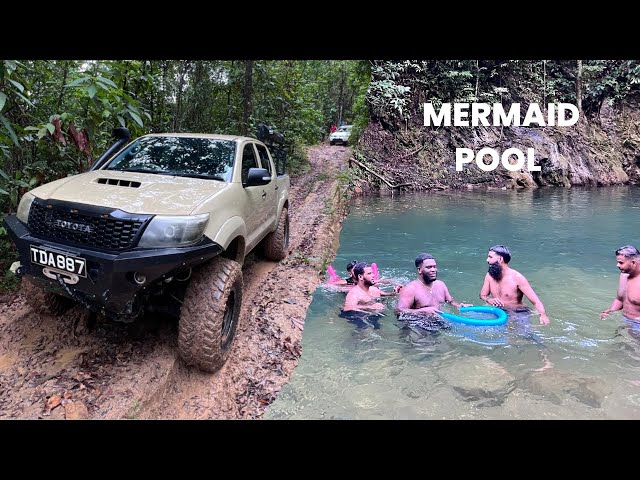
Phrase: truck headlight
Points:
(174, 231)
(24, 207)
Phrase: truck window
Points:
(180, 156)
(264, 157)
(248, 161)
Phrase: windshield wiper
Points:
(138, 170)
(173, 174)
(198, 175)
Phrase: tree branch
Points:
(361, 165)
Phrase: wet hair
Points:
(502, 251)
(358, 268)
(422, 257)
(628, 251)
(351, 264)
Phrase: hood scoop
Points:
(118, 182)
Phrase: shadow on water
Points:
(432, 335)
(519, 329)
(362, 319)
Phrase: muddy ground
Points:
(49, 369)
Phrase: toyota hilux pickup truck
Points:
(162, 223)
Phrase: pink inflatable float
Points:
(333, 276)
(376, 274)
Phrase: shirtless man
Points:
(628, 297)
(425, 294)
(507, 286)
(351, 281)
(363, 296)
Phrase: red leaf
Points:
(57, 133)
(85, 142)
(75, 135)
(80, 138)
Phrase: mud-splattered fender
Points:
(229, 230)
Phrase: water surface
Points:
(562, 240)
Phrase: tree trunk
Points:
(152, 97)
(196, 104)
(477, 78)
(184, 67)
(65, 73)
(579, 86)
(247, 92)
(544, 84)
(139, 88)
(228, 111)
(341, 94)
(162, 109)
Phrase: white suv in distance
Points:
(341, 135)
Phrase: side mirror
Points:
(258, 176)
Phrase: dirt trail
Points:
(49, 369)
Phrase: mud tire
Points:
(277, 243)
(209, 314)
(42, 301)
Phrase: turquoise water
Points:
(562, 240)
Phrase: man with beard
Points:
(507, 286)
(424, 295)
(363, 296)
(628, 297)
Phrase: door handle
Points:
(264, 194)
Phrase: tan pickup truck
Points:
(163, 224)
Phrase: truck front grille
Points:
(87, 226)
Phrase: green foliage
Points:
(9, 282)
(359, 81)
(105, 94)
(56, 117)
(388, 96)
(11, 186)
(399, 88)
(48, 108)
(8, 255)
(297, 162)
(609, 80)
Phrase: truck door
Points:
(271, 204)
(256, 199)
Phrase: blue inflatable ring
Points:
(501, 316)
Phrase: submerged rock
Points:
(479, 380)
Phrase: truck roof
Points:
(212, 136)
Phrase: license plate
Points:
(60, 261)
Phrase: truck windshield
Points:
(179, 156)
